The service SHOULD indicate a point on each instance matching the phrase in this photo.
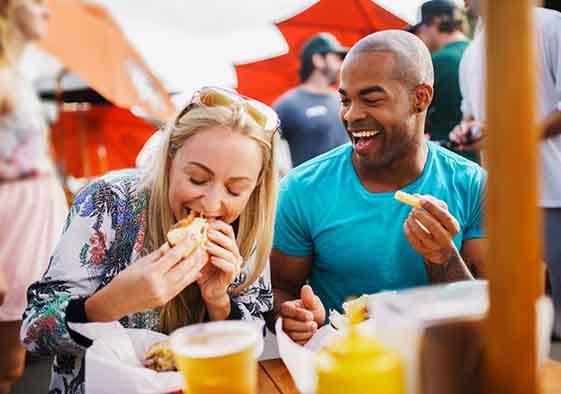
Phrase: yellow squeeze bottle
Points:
(358, 364)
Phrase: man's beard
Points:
(331, 75)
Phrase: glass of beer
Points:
(218, 357)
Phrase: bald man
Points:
(339, 231)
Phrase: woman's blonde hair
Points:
(255, 233)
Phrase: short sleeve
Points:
(475, 205)
(292, 233)
(283, 114)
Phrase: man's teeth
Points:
(366, 134)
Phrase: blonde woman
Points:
(32, 203)
(216, 159)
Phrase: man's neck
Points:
(317, 83)
(397, 175)
(452, 38)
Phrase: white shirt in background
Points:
(472, 86)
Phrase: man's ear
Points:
(318, 60)
(422, 97)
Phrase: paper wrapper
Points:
(114, 360)
(423, 325)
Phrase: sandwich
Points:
(194, 228)
(160, 358)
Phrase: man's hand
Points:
(431, 230)
(301, 318)
(463, 138)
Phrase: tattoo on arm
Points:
(455, 269)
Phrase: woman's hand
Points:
(149, 282)
(224, 266)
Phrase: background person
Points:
(33, 206)
(309, 113)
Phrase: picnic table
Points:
(274, 378)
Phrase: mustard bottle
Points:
(358, 364)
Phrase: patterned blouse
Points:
(104, 233)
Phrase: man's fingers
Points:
(420, 232)
(437, 233)
(308, 297)
(299, 326)
(290, 310)
(300, 337)
(439, 211)
(413, 239)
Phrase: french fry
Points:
(408, 199)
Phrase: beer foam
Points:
(208, 340)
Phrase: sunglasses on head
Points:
(261, 113)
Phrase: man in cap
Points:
(441, 29)
(309, 113)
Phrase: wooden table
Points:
(274, 378)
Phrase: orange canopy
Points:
(85, 39)
(348, 21)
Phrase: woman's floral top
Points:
(104, 233)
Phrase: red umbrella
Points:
(266, 80)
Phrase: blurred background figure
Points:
(468, 135)
(309, 113)
(33, 205)
(442, 30)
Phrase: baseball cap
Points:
(322, 43)
(433, 8)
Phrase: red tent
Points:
(98, 139)
(348, 20)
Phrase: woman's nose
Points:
(212, 202)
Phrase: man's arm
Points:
(464, 265)
(473, 254)
(552, 125)
(288, 275)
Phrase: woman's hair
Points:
(256, 220)
(7, 95)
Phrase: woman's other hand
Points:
(224, 266)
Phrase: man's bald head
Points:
(413, 63)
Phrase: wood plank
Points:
(280, 376)
(265, 384)
(550, 377)
(513, 225)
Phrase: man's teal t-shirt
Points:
(357, 237)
